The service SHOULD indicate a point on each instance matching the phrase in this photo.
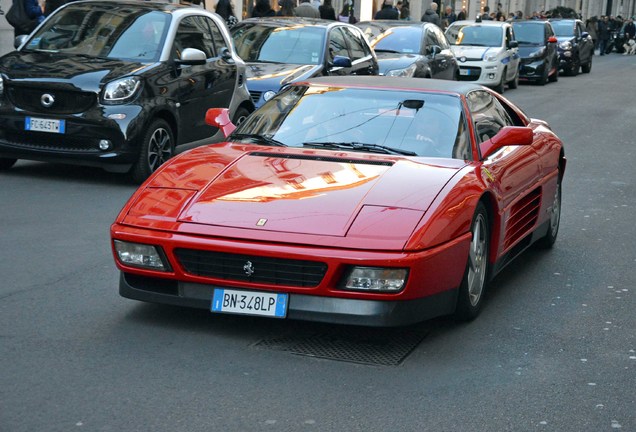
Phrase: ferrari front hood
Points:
(313, 192)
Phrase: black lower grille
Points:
(250, 268)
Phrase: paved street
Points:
(554, 348)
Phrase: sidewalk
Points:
(6, 41)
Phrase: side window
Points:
(337, 44)
(488, 114)
(509, 36)
(440, 38)
(356, 44)
(429, 41)
(193, 32)
(217, 37)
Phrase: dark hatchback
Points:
(576, 48)
(280, 51)
(118, 85)
(538, 51)
(411, 49)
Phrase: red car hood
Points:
(291, 190)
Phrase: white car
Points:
(486, 51)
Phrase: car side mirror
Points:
(191, 57)
(584, 35)
(513, 44)
(552, 39)
(18, 41)
(220, 118)
(341, 61)
(434, 50)
(226, 54)
(507, 136)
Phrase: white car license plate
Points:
(464, 71)
(249, 303)
(44, 125)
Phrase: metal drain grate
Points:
(386, 347)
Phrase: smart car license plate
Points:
(464, 71)
(249, 303)
(44, 125)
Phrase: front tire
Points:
(473, 286)
(157, 147)
(240, 115)
(515, 82)
(6, 163)
(501, 87)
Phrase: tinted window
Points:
(529, 33)
(563, 28)
(405, 40)
(474, 35)
(337, 44)
(193, 32)
(440, 38)
(356, 44)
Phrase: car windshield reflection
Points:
(475, 35)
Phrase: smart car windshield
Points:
(406, 40)
(109, 31)
(296, 45)
(563, 28)
(475, 35)
(367, 120)
(529, 33)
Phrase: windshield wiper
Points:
(388, 50)
(360, 146)
(257, 139)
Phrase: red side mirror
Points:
(552, 39)
(220, 118)
(507, 136)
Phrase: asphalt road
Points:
(554, 349)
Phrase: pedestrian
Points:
(430, 15)
(262, 9)
(591, 25)
(603, 34)
(286, 8)
(405, 12)
(225, 10)
(387, 12)
(327, 12)
(305, 9)
(485, 16)
(24, 16)
(51, 6)
(449, 17)
(461, 16)
(346, 14)
(630, 29)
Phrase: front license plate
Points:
(44, 125)
(464, 71)
(249, 303)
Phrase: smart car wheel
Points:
(157, 147)
(240, 116)
(473, 285)
(6, 163)
(555, 219)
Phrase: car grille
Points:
(66, 101)
(49, 141)
(474, 74)
(275, 271)
(255, 95)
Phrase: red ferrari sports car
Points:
(354, 200)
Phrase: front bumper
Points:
(484, 73)
(532, 71)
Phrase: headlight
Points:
(538, 53)
(268, 95)
(140, 255)
(120, 90)
(490, 57)
(565, 45)
(375, 279)
(406, 72)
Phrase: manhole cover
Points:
(386, 347)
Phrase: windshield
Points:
(563, 28)
(529, 33)
(422, 124)
(406, 40)
(296, 45)
(109, 30)
(475, 35)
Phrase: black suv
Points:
(576, 48)
(118, 85)
(538, 51)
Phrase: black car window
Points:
(193, 32)
(356, 44)
(217, 37)
(407, 40)
(529, 33)
(337, 44)
(440, 38)
(429, 41)
(489, 116)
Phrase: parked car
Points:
(119, 85)
(576, 48)
(280, 51)
(354, 200)
(411, 49)
(538, 51)
(487, 52)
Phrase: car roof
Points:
(292, 22)
(396, 83)
(490, 23)
(155, 5)
(394, 23)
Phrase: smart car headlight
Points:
(567, 45)
(376, 279)
(121, 90)
(140, 255)
(406, 72)
(537, 53)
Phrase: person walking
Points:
(591, 25)
(327, 12)
(262, 9)
(225, 10)
(305, 9)
(430, 15)
(603, 34)
(286, 8)
(449, 17)
(387, 12)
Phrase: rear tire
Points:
(157, 147)
(6, 163)
(550, 237)
(473, 286)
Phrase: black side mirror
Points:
(341, 61)
(513, 44)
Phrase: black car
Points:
(118, 85)
(538, 51)
(576, 48)
(279, 51)
(411, 49)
